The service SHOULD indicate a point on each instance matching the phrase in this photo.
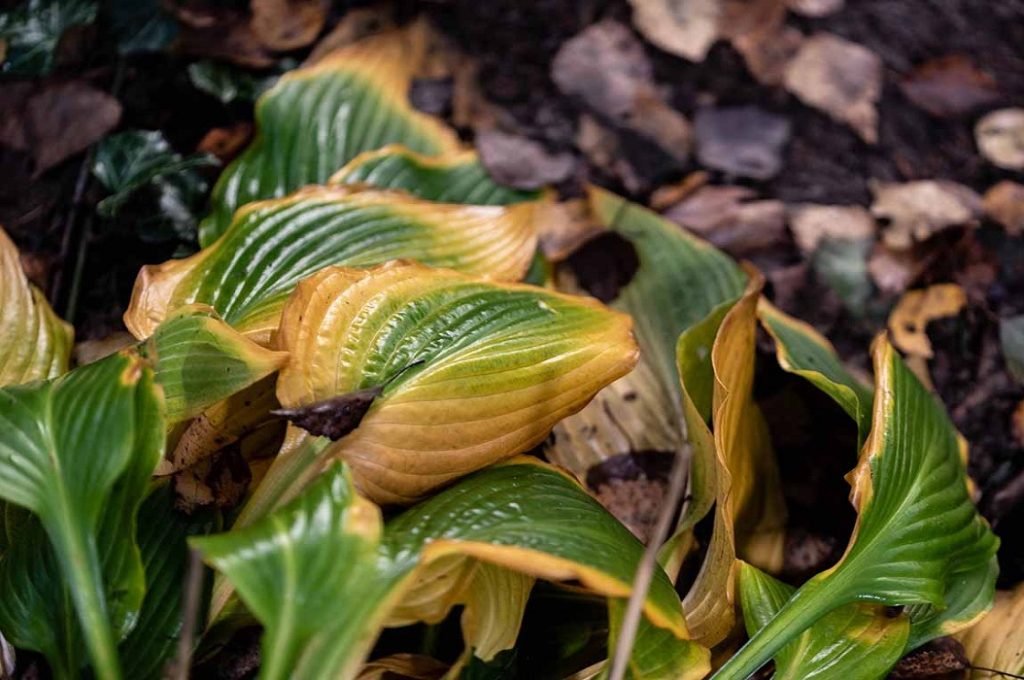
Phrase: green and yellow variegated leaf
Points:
(997, 640)
(750, 512)
(34, 342)
(495, 602)
(322, 576)
(318, 118)
(804, 351)
(452, 178)
(248, 274)
(78, 453)
(858, 641)
(656, 654)
(917, 532)
(200, 360)
(471, 371)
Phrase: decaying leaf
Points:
(565, 226)
(811, 223)
(520, 162)
(1004, 203)
(726, 217)
(997, 641)
(335, 417)
(909, 319)
(687, 28)
(288, 24)
(745, 141)
(34, 342)
(841, 78)
(356, 24)
(1011, 336)
(949, 86)
(1000, 138)
(893, 270)
(815, 8)
(915, 211)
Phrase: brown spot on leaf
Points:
(333, 418)
(940, 659)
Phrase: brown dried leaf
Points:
(226, 142)
(839, 77)
(88, 351)
(768, 55)
(1004, 203)
(220, 482)
(355, 25)
(745, 140)
(811, 223)
(670, 194)
(288, 24)
(564, 227)
(1000, 137)
(916, 211)
(521, 162)
(686, 28)
(333, 418)
(910, 317)
(949, 86)
(815, 8)
(724, 216)
(220, 33)
(893, 270)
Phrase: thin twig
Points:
(1005, 674)
(189, 612)
(648, 563)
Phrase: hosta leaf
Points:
(34, 342)
(247, 275)
(656, 654)
(857, 641)
(200, 360)
(318, 118)
(472, 371)
(749, 509)
(454, 178)
(802, 350)
(997, 641)
(917, 531)
(78, 452)
(321, 576)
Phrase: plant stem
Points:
(807, 605)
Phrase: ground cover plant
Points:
(389, 410)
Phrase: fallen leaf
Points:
(810, 223)
(949, 86)
(563, 227)
(768, 56)
(670, 194)
(601, 147)
(31, 33)
(686, 28)
(219, 32)
(815, 8)
(226, 142)
(910, 317)
(88, 351)
(1004, 203)
(221, 482)
(335, 417)
(355, 25)
(520, 162)
(724, 216)
(285, 25)
(934, 660)
(916, 211)
(606, 68)
(746, 140)
(1011, 337)
(1000, 138)
(892, 270)
(842, 263)
(839, 77)
(1017, 424)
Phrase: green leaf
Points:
(78, 454)
(34, 343)
(917, 529)
(318, 118)
(656, 654)
(455, 178)
(200, 360)
(228, 83)
(248, 274)
(854, 641)
(33, 31)
(321, 577)
(801, 350)
(1011, 335)
(843, 266)
(140, 25)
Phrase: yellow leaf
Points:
(916, 308)
(997, 640)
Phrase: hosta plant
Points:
(357, 335)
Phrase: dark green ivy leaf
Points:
(139, 25)
(34, 29)
(228, 83)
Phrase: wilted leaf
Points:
(1000, 138)
(909, 319)
(839, 77)
(1004, 203)
(724, 216)
(318, 118)
(520, 162)
(857, 640)
(815, 8)
(916, 211)
(288, 24)
(918, 538)
(454, 178)
(271, 245)
(335, 417)
(80, 452)
(32, 32)
(34, 342)
(949, 86)
(997, 641)
(474, 371)
(811, 223)
(745, 141)
(686, 28)
(522, 515)
(1011, 336)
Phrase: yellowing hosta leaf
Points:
(453, 178)
(471, 371)
(321, 575)
(997, 641)
(78, 452)
(247, 275)
(656, 655)
(200, 360)
(34, 342)
(802, 350)
(856, 641)
(917, 535)
(750, 512)
(318, 118)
